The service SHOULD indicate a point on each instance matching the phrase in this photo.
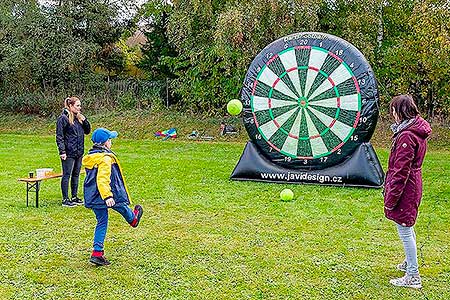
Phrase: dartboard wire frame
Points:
(327, 76)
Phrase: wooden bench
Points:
(34, 183)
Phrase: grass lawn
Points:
(206, 237)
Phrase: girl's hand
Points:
(63, 156)
(80, 117)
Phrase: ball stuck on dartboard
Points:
(234, 107)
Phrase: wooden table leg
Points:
(33, 187)
(28, 189)
(37, 193)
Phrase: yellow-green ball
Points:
(234, 107)
(287, 195)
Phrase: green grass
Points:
(206, 237)
(142, 124)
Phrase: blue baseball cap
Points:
(101, 135)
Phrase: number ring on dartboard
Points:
(297, 107)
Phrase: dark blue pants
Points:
(102, 223)
(71, 170)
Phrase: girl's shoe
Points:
(402, 266)
(411, 281)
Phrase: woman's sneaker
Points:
(411, 281)
(68, 203)
(402, 266)
(77, 201)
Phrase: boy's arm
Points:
(104, 178)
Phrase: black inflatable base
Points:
(362, 169)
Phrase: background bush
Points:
(200, 50)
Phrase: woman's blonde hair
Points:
(70, 101)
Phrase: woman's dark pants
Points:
(71, 170)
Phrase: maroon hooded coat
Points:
(403, 185)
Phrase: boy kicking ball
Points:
(104, 187)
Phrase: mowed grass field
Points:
(203, 236)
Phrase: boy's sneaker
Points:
(402, 266)
(68, 203)
(97, 258)
(77, 201)
(411, 281)
(138, 211)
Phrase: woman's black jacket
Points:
(70, 138)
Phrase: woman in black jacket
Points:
(71, 127)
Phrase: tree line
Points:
(198, 51)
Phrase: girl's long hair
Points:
(404, 107)
(70, 101)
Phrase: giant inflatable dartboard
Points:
(310, 99)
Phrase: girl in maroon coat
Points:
(403, 185)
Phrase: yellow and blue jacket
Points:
(104, 179)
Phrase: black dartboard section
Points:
(310, 99)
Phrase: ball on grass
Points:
(234, 107)
(286, 195)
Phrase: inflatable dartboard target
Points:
(310, 100)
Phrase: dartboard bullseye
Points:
(305, 100)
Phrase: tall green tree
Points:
(155, 14)
(56, 45)
(216, 41)
(206, 46)
(419, 60)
